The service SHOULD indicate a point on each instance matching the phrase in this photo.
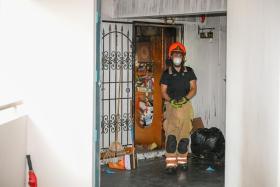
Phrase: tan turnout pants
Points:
(178, 122)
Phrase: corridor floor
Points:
(151, 173)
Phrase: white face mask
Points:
(177, 61)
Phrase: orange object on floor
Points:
(119, 165)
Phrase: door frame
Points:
(180, 28)
(96, 98)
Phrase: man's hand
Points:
(174, 103)
(183, 100)
(178, 103)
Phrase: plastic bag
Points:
(209, 143)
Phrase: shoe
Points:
(170, 170)
(183, 167)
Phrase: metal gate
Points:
(117, 91)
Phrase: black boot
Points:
(170, 170)
(183, 167)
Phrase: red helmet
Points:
(176, 47)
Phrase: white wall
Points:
(107, 9)
(252, 146)
(13, 142)
(47, 59)
(208, 59)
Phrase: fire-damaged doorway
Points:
(134, 56)
(151, 42)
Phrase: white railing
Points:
(10, 105)
(10, 111)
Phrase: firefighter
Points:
(178, 87)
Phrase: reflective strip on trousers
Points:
(171, 159)
(182, 160)
(171, 164)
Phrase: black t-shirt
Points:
(178, 83)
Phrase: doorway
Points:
(139, 49)
(151, 42)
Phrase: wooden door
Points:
(156, 44)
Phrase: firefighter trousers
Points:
(177, 126)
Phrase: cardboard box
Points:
(197, 123)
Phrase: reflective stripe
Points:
(182, 158)
(182, 162)
(179, 157)
(171, 164)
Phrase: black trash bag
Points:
(198, 139)
(208, 143)
(219, 145)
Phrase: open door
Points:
(152, 42)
